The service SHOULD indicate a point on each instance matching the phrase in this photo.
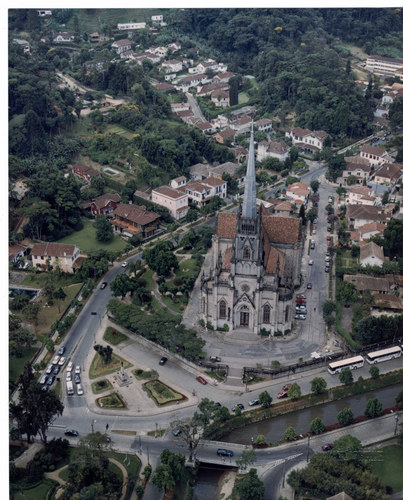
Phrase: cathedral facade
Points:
(256, 259)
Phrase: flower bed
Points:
(113, 400)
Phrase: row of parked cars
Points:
(300, 309)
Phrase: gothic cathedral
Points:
(256, 266)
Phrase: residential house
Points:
(130, 220)
(122, 45)
(55, 254)
(158, 51)
(174, 46)
(220, 98)
(223, 77)
(360, 195)
(298, 192)
(199, 171)
(373, 154)
(224, 134)
(241, 154)
(201, 192)
(203, 125)
(229, 168)
(187, 62)
(203, 90)
(387, 301)
(186, 115)
(241, 124)
(85, 172)
(159, 19)
(389, 173)
(62, 37)
(44, 12)
(180, 106)
(220, 122)
(192, 81)
(307, 140)
(105, 204)
(164, 87)
(381, 111)
(131, 26)
(263, 125)
(371, 254)
(172, 198)
(358, 167)
(283, 208)
(358, 215)
(385, 66)
(272, 149)
(209, 64)
(172, 66)
(364, 282)
(93, 37)
(245, 110)
(365, 232)
(16, 252)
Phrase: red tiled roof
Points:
(104, 199)
(281, 228)
(372, 150)
(135, 213)
(169, 192)
(226, 225)
(53, 249)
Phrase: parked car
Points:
(300, 316)
(43, 379)
(326, 269)
(313, 245)
(327, 258)
(239, 405)
(222, 452)
(327, 446)
(201, 380)
(69, 366)
(286, 387)
(310, 262)
(254, 402)
(104, 284)
(282, 394)
(313, 231)
(177, 431)
(217, 404)
(61, 350)
(56, 370)
(309, 286)
(61, 361)
(163, 360)
(77, 378)
(49, 369)
(329, 229)
(51, 379)
(80, 391)
(217, 359)
(78, 369)
(124, 264)
(55, 360)
(68, 376)
(71, 432)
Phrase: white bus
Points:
(384, 355)
(351, 363)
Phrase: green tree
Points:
(346, 377)
(315, 186)
(163, 478)
(393, 237)
(161, 258)
(328, 307)
(347, 292)
(265, 399)
(373, 408)
(247, 457)
(318, 385)
(317, 426)
(192, 215)
(348, 449)
(104, 230)
(294, 392)
(290, 434)
(59, 295)
(345, 416)
(250, 487)
(302, 215)
(374, 371)
(122, 285)
(399, 399)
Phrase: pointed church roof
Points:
(249, 200)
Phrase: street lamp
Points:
(92, 425)
(396, 422)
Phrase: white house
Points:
(360, 195)
(201, 192)
(388, 173)
(131, 26)
(159, 19)
(175, 200)
(298, 192)
(307, 140)
(172, 66)
(263, 125)
(272, 149)
(375, 156)
(62, 37)
(220, 98)
(371, 255)
(122, 45)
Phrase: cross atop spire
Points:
(249, 200)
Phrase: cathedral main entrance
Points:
(244, 318)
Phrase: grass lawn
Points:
(389, 468)
(101, 386)
(243, 98)
(38, 280)
(16, 365)
(87, 242)
(97, 368)
(38, 493)
(142, 375)
(125, 433)
(118, 130)
(162, 393)
(113, 336)
(113, 400)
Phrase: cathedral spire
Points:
(249, 200)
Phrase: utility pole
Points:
(307, 449)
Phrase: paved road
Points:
(195, 107)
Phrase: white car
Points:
(69, 366)
(310, 262)
(68, 377)
(61, 361)
(313, 231)
(327, 258)
(56, 360)
(80, 391)
(78, 369)
(124, 264)
(49, 369)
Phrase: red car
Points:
(286, 387)
(201, 380)
(283, 394)
(327, 446)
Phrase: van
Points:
(70, 388)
